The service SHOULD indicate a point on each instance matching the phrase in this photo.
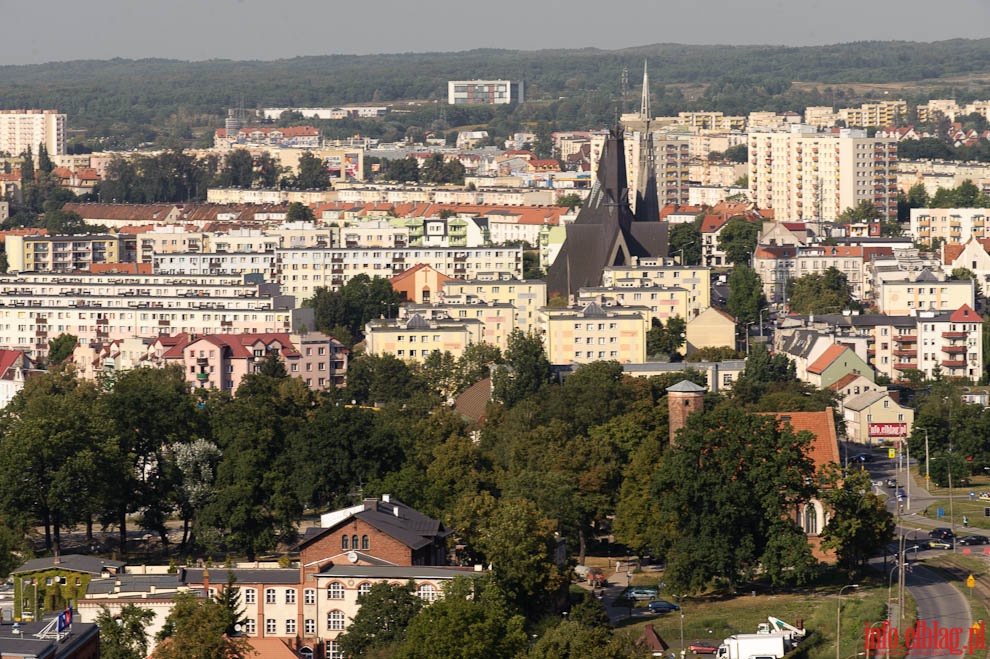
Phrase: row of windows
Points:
(335, 591)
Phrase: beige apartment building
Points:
(595, 333)
(807, 175)
(951, 225)
(927, 291)
(497, 319)
(301, 271)
(527, 296)
(662, 302)
(60, 253)
(694, 279)
(415, 337)
(21, 130)
(874, 115)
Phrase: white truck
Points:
(753, 646)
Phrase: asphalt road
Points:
(939, 603)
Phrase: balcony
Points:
(907, 338)
(954, 363)
(906, 366)
(906, 353)
(954, 350)
(202, 377)
(954, 335)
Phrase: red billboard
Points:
(888, 430)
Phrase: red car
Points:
(703, 647)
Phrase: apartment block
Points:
(807, 175)
(527, 296)
(21, 130)
(497, 319)
(591, 333)
(214, 263)
(926, 291)
(302, 271)
(874, 115)
(102, 309)
(951, 225)
(485, 92)
(220, 361)
(60, 253)
(776, 265)
(415, 337)
(661, 273)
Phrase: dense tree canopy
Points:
(819, 293)
(738, 240)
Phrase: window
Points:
(354, 538)
(335, 591)
(290, 596)
(250, 596)
(290, 626)
(345, 542)
(364, 588)
(365, 542)
(333, 650)
(309, 626)
(271, 627)
(335, 620)
(810, 519)
(250, 626)
(427, 592)
(270, 596)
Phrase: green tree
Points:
(543, 144)
(714, 354)
(124, 635)
(229, 598)
(859, 524)
(737, 153)
(685, 242)
(267, 171)
(570, 201)
(312, 173)
(12, 548)
(238, 169)
(865, 211)
(54, 443)
(527, 368)
(470, 621)
(746, 298)
(667, 340)
(354, 304)
(196, 628)
(725, 489)
(45, 164)
(819, 293)
(570, 640)
(738, 240)
(299, 213)
(378, 379)
(61, 348)
(519, 543)
(381, 622)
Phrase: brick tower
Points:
(683, 399)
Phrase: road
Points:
(938, 601)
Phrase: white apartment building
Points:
(194, 263)
(822, 116)
(952, 225)
(925, 291)
(874, 115)
(805, 175)
(485, 92)
(21, 130)
(301, 271)
(99, 309)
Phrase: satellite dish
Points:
(352, 556)
(238, 628)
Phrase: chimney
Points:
(386, 498)
(206, 579)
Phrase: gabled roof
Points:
(844, 381)
(827, 358)
(687, 387)
(825, 446)
(473, 402)
(862, 401)
(394, 518)
(72, 563)
(965, 314)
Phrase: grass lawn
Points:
(713, 619)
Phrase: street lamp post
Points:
(681, 251)
(680, 603)
(838, 620)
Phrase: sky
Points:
(33, 32)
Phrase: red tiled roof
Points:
(965, 314)
(844, 381)
(473, 403)
(830, 355)
(713, 223)
(825, 446)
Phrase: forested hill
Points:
(153, 92)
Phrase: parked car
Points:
(971, 540)
(941, 533)
(703, 647)
(900, 493)
(891, 482)
(862, 457)
(662, 606)
(641, 594)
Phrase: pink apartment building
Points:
(221, 361)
